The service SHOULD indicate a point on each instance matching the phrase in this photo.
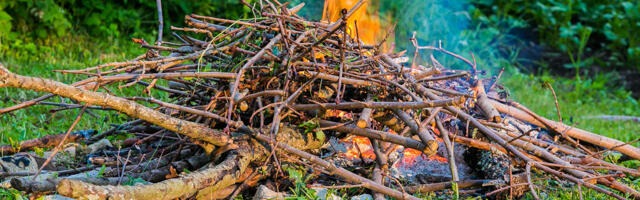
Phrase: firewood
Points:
(251, 101)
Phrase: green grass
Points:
(578, 99)
(75, 52)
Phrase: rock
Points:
(362, 197)
(99, 145)
(322, 194)
(264, 192)
(55, 197)
(18, 163)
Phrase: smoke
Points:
(446, 22)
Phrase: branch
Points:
(131, 108)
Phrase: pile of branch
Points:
(246, 96)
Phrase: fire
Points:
(411, 156)
(338, 113)
(369, 23)
(360, 146)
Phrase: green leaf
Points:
(101, 172)
(320, 135)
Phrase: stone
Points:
(264, 192)
(362, 197)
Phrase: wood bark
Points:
(131, 108)
(483, 101)
(577, 133)
(42, 142)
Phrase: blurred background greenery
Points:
(588, 50)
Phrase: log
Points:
(45, 141)
(577, 133)
(483, 101)
(222, 174)
(131, 108)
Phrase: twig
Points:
(555, 98)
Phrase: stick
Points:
(426, 188)
(385, 105)
(160, 22)
(365, 115)
(42, 142)
(423, 134)
(191, 129)
(483, 101)
(530, 183)
(577, 133)
(452, 158)
(378, 135)
(555, 98)
(347, 175)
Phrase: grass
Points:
(576, 98)
(74, 52)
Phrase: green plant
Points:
(606, 33)
(11, 194)
(312, 126)
(300, 190)
(26, 23)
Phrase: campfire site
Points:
(280, 107)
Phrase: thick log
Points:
(223, 174)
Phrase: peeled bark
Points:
(483, 101)
(221, 175)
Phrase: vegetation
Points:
(25, 23)
(587, 32)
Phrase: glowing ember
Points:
(358, 146)
(411, 157)
(338, 114)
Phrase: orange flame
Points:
(411, 156)
(369, 23)
(360, 146)
(338, 113)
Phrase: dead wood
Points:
(44, 142)
(577, 133)
(483, 101)
(131, 108)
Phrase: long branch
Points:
(131, 108)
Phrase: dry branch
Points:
(191, 129)
(577, 133)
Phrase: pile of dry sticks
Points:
(246, 97)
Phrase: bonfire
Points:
(278, 102)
